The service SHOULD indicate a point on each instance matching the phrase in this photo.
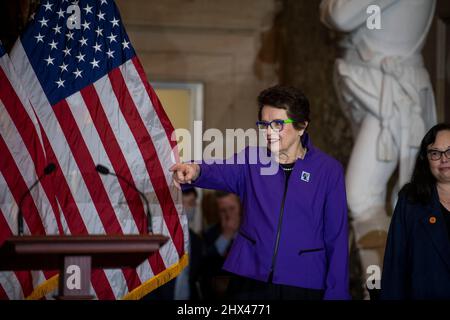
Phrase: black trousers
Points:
(242, 288)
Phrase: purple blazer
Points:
(296, 231)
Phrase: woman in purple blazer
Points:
(293, 240)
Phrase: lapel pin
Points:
(305, 176)
(432, 220)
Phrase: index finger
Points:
(174, 167)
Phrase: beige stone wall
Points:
(216, 42)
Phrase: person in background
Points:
(218, 240)
(187, 286)
(417, 258)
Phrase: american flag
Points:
(22, 161)
(95, 106)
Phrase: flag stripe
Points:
(83, 130)
(149, 154)
(18, 132)
(59, 152)
(116, 122)
(14, 284)
(165, 153)
(115, 155)
(20, 116)
(21, 120)
(64, 194)
(152, 123)
(25, 280)
(90, 135)
(13, 79)
(5, 231)
(80, 114)
(9, 208)
(3, 295)
(156, 104)
(86, 165)
(18, 187)
(58, 145)
(120, 280)
(24, 160)
(22, 278)
(89, 174)
(119, 164)
(8, 217)
(74, 220)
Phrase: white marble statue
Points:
(385, 91)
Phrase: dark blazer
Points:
(212, 264)
(417, 256)
(195, 262)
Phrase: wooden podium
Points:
(75, 255)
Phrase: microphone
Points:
(105, 171)
(47, 170)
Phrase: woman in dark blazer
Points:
(417, 256)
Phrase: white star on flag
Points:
(88, 9)
(83, 41)
(110, 53)
(77, 73)
(60, 82)
(97, 47)
(112, 38)
(57, 29)
(80, 57)
(86, 25)
(94, 63)
(99, 32)
(63, 67)
(48, 6)
(39, 38)
(67, 51)
(49, 60)
(101, 16)
(69, 35)
(60, 13)
(43, 22)
(115, 22)
(53, 45)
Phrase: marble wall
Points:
(217, 43)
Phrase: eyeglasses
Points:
(437, 155)
(276, 125)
